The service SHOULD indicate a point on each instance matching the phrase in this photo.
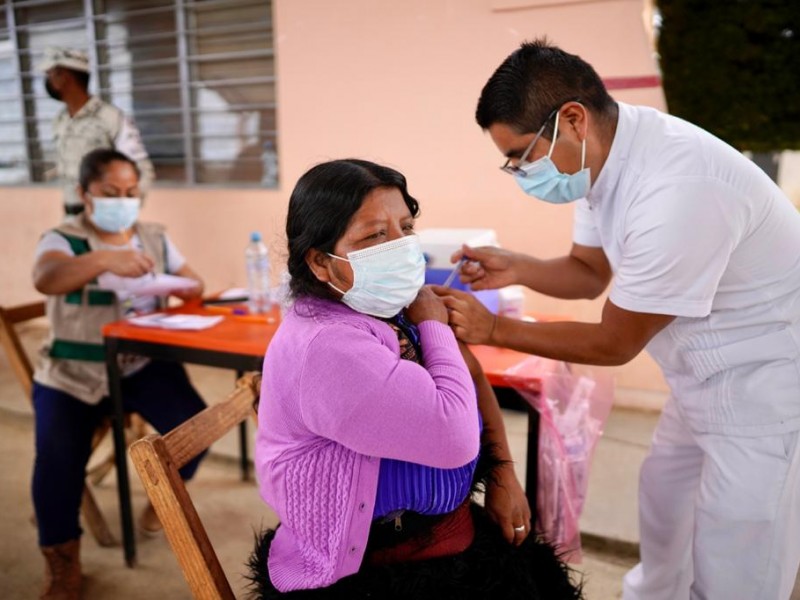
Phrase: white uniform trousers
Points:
(719, 516)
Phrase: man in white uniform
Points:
(704, 253)
(86, 123)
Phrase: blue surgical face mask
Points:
(542, 179)
(386, 277)
(115, 214)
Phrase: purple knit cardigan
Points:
(335, 398)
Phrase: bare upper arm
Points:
(595, 261)
(629, 332)
(50, 259)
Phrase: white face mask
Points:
(542, 179)
(115, 214)
(386, 277)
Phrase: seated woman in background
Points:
(371, 419)
(70, 392)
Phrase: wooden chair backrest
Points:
(157, 460)
(17, 357)
(21, 365)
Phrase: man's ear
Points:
(577, 116)
(318, 263)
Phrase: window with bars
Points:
(197, 76)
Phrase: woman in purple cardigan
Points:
(376, 426)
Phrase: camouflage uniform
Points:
(96, 125)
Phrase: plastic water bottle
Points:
(258, 278)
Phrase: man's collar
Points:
(606, 181)
(91, 106)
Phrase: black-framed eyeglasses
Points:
(517, 168)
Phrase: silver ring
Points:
(519, 529)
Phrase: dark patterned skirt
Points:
(490, 568)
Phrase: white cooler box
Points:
(438, 245)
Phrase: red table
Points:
(239, 343)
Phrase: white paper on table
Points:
(167, 321)
(152, 284)
(235, 292)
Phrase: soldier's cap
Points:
(69, 58)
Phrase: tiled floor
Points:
(231, 509)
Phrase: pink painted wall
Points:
(394, 82)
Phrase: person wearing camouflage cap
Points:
(86, 123)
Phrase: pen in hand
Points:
(128, 242)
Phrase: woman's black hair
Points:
(94, 164)
(321, 206)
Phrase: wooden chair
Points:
(157, 459)
(17, 357)
(21, 365)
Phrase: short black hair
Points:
(321, 207)
(535, 80)
(95, 163)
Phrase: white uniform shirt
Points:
(693, 229)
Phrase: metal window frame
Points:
(93, 22)
(185, 93)
(11, 22)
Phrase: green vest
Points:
(73, 357)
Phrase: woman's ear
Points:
(318, 263)
(86, 198)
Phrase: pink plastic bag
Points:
(573, 409)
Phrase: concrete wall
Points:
(394, 82)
